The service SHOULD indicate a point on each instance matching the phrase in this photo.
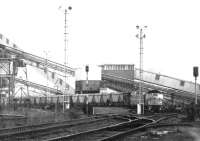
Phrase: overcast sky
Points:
(103, 31)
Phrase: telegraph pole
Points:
(141, 36)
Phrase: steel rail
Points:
(100, 132)
(34, 130)
(34, 126)
(131, 131)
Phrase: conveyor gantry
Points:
(39, 86)
(13, 54)
(38, 60)
(128, 77)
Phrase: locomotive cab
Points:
(154, 100)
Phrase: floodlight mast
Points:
(141, 36)
(65, 55)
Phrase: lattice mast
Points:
(65, 54)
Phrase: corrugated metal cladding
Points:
(90, 86)
(124, 71)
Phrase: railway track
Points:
(44, 131)
(114, 132)
(151, 130)
(35, 126)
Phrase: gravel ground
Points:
(36, 116)
(168, 134)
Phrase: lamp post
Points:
(141, 36)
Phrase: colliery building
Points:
(85, 87)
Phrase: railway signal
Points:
(195, 74)
(87, 70)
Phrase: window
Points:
(182, 83)
(37, 64)
(7, 41)
(157, 77)
(14, 45)
(45, 70)
(61, 81)
(53, 75)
